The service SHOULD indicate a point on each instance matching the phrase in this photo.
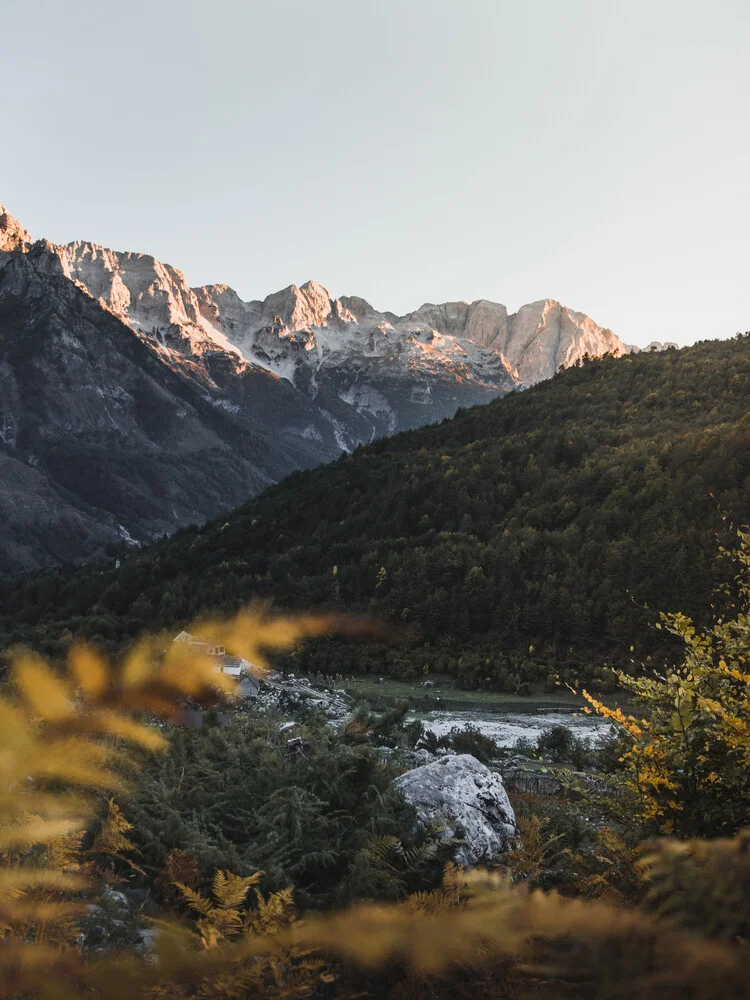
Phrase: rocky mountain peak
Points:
(297, 326)
(360, 308)
(155, 299)
(301, 307)
(12, 233)
(658, 345)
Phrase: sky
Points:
(592, 151)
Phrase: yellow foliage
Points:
(688, 760)
(263, 962)
(65, 738)
(534, 851)
(112, 841)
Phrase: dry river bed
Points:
(508, 727)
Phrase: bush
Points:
(468, 739)
(559, 745)
(472, 741)
(687, 754)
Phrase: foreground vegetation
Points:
(517, 540)
(273, 868)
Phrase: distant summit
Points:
(658, 345)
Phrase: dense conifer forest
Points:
(538, 533)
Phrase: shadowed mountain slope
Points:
(102, 440)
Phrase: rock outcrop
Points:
(463, 798)
(393, 371)
(12, 233)
(292, 697)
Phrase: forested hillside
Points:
(517, 538)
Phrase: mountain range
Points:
(132, 404)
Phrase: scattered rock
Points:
(146, 942)
(290, 696)
(116, 898)
(109, 923)
(420, 757)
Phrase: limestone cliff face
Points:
(149, 296)
(12, 233)
(300, 329)
(367, 372)
(544, 336)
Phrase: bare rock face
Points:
(394, 371)
(12, 233)
(152, 298)
(544, 336)
(534, 342)
(463, 797)
(365, 373)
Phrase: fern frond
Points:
(230, 891)
(195, 901)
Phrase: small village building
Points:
(233, 666)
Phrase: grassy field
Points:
(445, 695)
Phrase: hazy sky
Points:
(592, 151)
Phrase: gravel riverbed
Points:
(507, 727)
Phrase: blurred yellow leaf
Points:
(107, 721)
(37, 832)
(48, 696)
(89, 670)
(42, 911)
(139, 664)
(35, 878)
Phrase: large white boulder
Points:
(462, 797)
